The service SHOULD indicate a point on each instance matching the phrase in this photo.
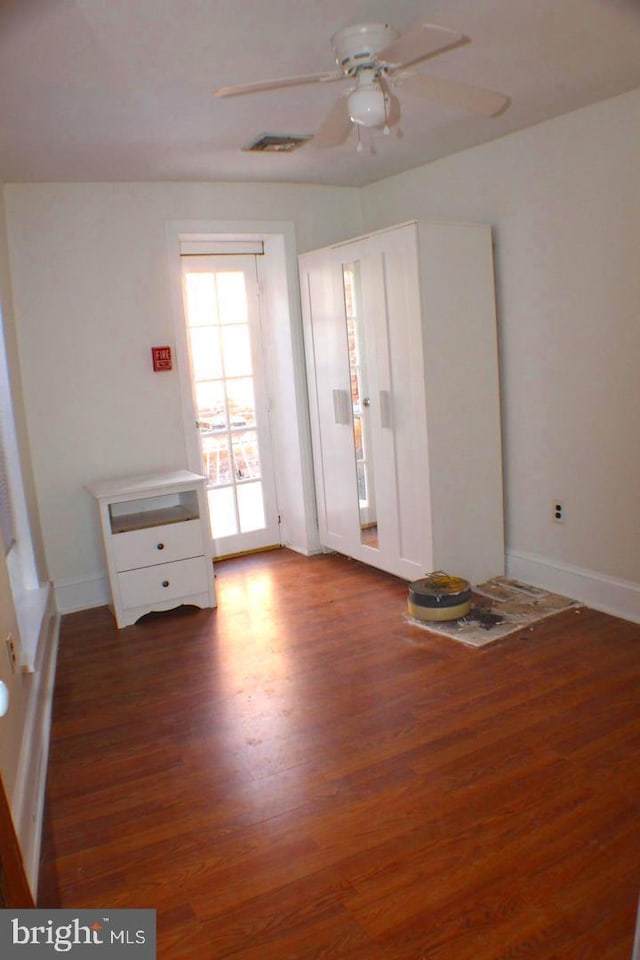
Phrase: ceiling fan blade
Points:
(463, 96)
(335, 127)
(420, 42)
(239, 89)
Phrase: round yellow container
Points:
(439, 596)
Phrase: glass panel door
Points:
(227, 369)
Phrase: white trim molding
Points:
(81, 593)
(621, 598)
(291, 432)
(28, 798)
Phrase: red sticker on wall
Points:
(161, 358)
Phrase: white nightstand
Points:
(157, 540)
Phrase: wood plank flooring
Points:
(302, 774)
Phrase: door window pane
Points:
(201, 298)
(222, 509)
(250, 507)
(236, 349)
(232, 297)
(206, 353)
(211, 406)
(242, 406)
(217, 458)
(245, 455)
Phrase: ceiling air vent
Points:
(276, 143)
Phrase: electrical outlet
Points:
(11, 651)
(558, 511)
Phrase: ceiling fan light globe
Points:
(366, 106)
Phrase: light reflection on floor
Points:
(260, 698)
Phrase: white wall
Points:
(564, 197)
(91, 289)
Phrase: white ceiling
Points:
(122, 89)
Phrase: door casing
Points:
(291, 435)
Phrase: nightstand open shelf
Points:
(154, 511)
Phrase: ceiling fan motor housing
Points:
(356, 47)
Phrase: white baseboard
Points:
(81, 594)
(304, 551)
(32, 608)
(621, 598)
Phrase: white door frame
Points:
(284, 348)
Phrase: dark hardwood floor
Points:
(302, 774)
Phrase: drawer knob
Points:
(160, 546)
(165, 583)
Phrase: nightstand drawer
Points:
(166, 581)
(144, 548)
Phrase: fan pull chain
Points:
(386, 131)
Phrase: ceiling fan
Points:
(379, 61)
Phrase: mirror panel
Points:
(360, 404)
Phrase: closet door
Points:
(328, 373)
(392, 307)
(377, 301)
(361, 306)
